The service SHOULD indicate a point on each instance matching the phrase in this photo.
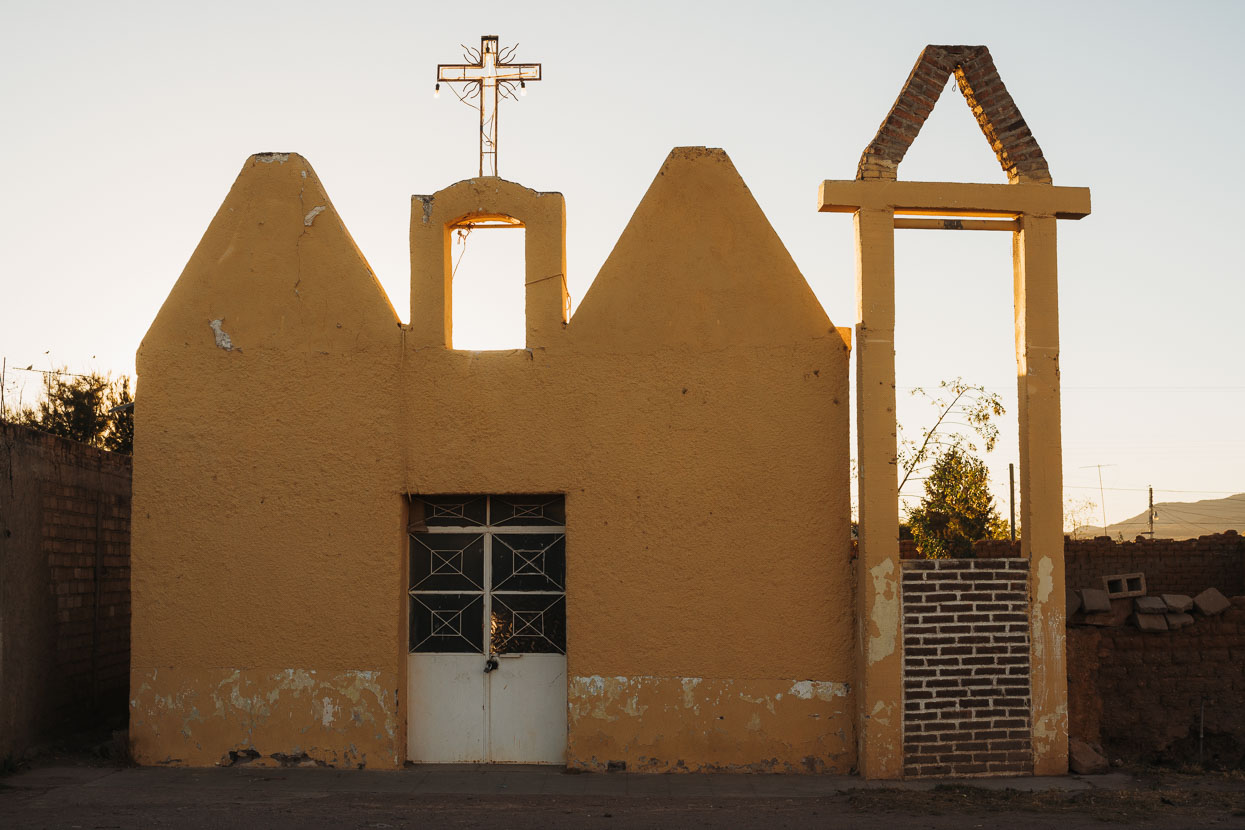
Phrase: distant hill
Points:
(1178, 520)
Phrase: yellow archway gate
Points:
(1028, 207)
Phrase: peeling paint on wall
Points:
(884, 620)
(819, 689)
(312, 214)
(223, 340)
(269, 718)
(1045, 573)
(692, 724)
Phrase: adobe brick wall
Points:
(1141, 694)
(966, 667)
(1188, 567)
(64, 585)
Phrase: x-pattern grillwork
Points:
(448, 511)
(529, 623)
(447, 562)
(447, 623)
(442, 622)
(529, 561)
(529, 511)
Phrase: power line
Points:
(1144, 489)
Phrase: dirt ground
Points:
(87, 786)
(953, 807)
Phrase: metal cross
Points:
(489, 77)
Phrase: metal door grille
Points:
(488, 575)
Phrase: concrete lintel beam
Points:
(954, 198)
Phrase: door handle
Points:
(490, 664)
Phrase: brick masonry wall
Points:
(1143, 695)
(64, 586)
(1189, 566)
(966, 667)
(86, 542)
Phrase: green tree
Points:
(120, 434)
(963, 408)
(91, 408)
(957, 508)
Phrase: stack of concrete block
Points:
(1150, 613)
(1166, 612)
(1178, 607)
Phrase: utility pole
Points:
(1151, 513)
(1011, 500)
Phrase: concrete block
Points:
(1210, 602)
(1119, 612)
(1073, 601)
(1083, 759)
(1178, 603)
(1150, 622)
(1122, 586)
(1175, 621)
(1095, 601)
(1150, 605)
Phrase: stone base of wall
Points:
(966, 667)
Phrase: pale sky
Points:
(124, 125)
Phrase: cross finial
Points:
(489, 76)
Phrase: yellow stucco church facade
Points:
(292, 424)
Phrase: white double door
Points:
(487, 662)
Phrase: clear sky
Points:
(125, 123)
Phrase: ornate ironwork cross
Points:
(490, 77)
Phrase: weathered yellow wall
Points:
(694, 412)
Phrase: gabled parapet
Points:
(698, 266)
(992, 105)
(488, 200)
(276, 267)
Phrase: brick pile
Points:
(966, 669)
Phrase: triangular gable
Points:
(698, 266)
(276, 265)
(1000, 120)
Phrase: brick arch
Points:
(992, 105)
